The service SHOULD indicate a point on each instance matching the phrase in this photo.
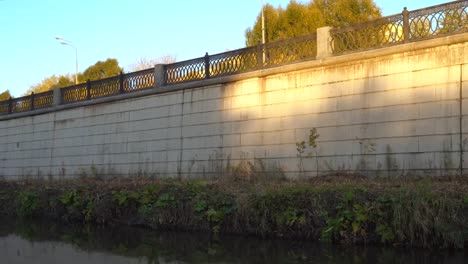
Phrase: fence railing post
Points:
(58, 96)
(32, 100)
(88, 90)
(260, 56)
(406, 25)
(10, 106)
(159, 75)
(207, 66)
(121, 83)
(324, 43)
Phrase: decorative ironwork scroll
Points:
(449, 18)
(435, 21)
(135, 81)
(190, 70)
(76, 93)
(290, 50)
(104, 87)
(44, 100)
(378, 33)
(233, 62)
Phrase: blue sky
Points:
(123, 29)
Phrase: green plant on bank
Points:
(213, 207)
(28, 204)
(76, 201)
(147, 199)
(121, 197)
(291, 216)
(301, 148)
(426, 218)
(149, 194)
(350, 222)
(286, 212)
(354, 221)
(382, 215)
(70, 198)
(418, 213)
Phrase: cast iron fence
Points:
(120, 84)
(27, 103)
(243, 60)
(431, 22)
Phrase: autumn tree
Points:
(50, 83)
(101, 70)
(146, 63)
(304, 18)
(5, 95)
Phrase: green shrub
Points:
(28, 204)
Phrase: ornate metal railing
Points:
(449, 18)
(233, 62)
(291, 50)
(21, 104)
(135, 81)
(243, 60)
(436, 21)
(119, 84)
(373, 34)
(43, 100)
(185, 71)
(76, 93)
(27, 103)
(104, 87)
(4, 107)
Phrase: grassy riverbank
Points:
(426, 213)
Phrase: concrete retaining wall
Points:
(393, 111)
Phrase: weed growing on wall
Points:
(308, 149)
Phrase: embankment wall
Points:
(394, 111)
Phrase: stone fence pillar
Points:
(159, 76)
(57, 97)
(324, 49)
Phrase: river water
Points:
(33, 242)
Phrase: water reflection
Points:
(26, 242)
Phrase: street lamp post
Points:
(263, 34)
(263, 24)
(69, 43)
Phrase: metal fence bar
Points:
(32, 101)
